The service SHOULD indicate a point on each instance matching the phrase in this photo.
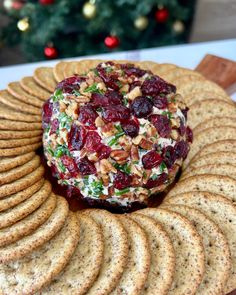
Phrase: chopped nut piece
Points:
(136, 181)
(124, 88)
(99, 122)
(146, 176)
(146, 144)
(105, 179)
(172, 107)
(175, 122)
(125, 143)
(62, 106)
(134, 93)
(120, 156)
(106, 167)
(101, 86)
(174, 134)
(72, 110)
(134, 153)
(82, 99)
(151, 131)
(137, 170)
(142, 194)
(138, 139)
(108, 130)
(93, 157)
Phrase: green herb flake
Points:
(93, 89)
(168, 114)
(61, 150)
(76, 92)
(154, 176)
(64, 120)
(162, 166)
(122, 192)
(96, 72)
(135, 162)
(58, 95)
(115, 138)
(124, 168)
(62, 167)
(144, 174)
(97, 188)
(50, 151)
(108, 69)
(119, 84)
(125, 101)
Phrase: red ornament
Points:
(112, 42)
(46, 2)
(17, 5)
(162, 15)
(50, 52)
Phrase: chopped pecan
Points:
(93, 157)
(151, 131)
(175, 122)
(172, 107)
(137, 170)
(62, 106)
(134, 153)
(108, 130)
(120, 156)
(99, 122)
(174, 134)
(146, 175)
(146, 144)
(106, 167)
(72, 110)
(125, 87)
(105, 179)
(125, 143)
(134, 93)
(136, 181)
(101, 86)
(82, 99)
(138, 139)
(142, 194)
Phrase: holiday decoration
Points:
(178, 27)
(46, 2)
(141, 23)
(23, 24)
(162, 15)
(112, 42)
(89, 10)
(50, 52)
(7, 4)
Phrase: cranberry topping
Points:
(151, 160)
(189, 134)
(121, 180)
(156, 182)
(130, 70)
(116, 113)
(134, 84)
(114, 97)
(73, 192)
(162, 124)
(69, 84)
(141, 107)
(160, 102)
(169, 156)
(47, 113)
(87, 115)
(131, 127)
(54, 126)
(85, 166)
(155, 85)
(181, 149)
(70, 164)
(93, 141)
(76, 137)
(104, 152)
(185, 112)
(109, 98)
(182, 128)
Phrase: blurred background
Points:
(36, 30)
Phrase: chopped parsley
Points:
(97, 188)
(61, 150)
(76, 92)
(64, 120)
(62, 167)
(154, 176)
(144, 174)
(123, 191)
(50, 151)
(162, 166)
(124, 168)
(135, 162)
(96, 72)
(125, 101)
(115, 138)
(119, 84)
(108, 69)
(58, 95)
(93, 89)
(167, 113)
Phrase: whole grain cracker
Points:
(8, 134)
(202, 94)
(45, 78)
(31, 273)
(30, 86)
(173, 74)
(70, 69)
(162, 266)
(19, 126)
(115, 251)
(12, 215)
(223, 213)
(11, 114)
(218, 184)
(215, 122)
(137, 269)
(158, 69)
(83, 66)
(11, 143)
(17, 91)
(217, 252)
(21, 196)
(20, 171)
(20, 150)
(40, 236)
(188, 248)
(80, 273)
(22, 183)
(7, 99)
(28, 224)
(8, 163)
(58, 71)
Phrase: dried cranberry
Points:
(93, 141)
(141, 107)
(104, 152)
(114, 97)
(169, 156)
(116, 113)
(85, 166)
(73, 192)
(47, 113)
(151, 160)
(70, 164)
(87, 115)
(189, 134)
(69, 84)
(54, 126)
(99, 100)
(182, 128)
(131, 127)
(185, 112)
(121, 180)
(54, 170)
(130, 70)
(76, 137)
(134, 84)
(160, 102)
(156, 182)
(162, 124)
(181, 149)
(156, 85)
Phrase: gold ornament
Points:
(141, 23)
(178, 26)
(23, 24)
(89, 10)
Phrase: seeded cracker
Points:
(30, 86)
(44, 77)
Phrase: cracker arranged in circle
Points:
(12, 215)
(83, 66)
(28, 224)
(209, 136)
(137, 269)
(18, 92)
(209, 109)
(21, 183)
(58, 71)
(20, 171)
(162, 266)
(215, 122)
(7, 99)
(11, 114)
(30, 86)
(217, 252)
(223, 213)
(9, 163)
(45, 78)
(197, 95)
(9, 134)
(15, 199)
(40, 236)
(70, 69)
(115, 251)
(83, 268)
(11, 143)
(173, 74)
(20, 150)
(188, 248)
(31, 273)
(158, 69)
(19, 126)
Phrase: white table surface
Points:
(188, 55)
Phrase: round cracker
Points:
(223, 213)
(9, 134)
(162, 266)
(217, 252)
(10, 114)
(21, 196)
(202, 94)
(12, 215)
(137, 269)
(29, 274)
(83, 66)
(209, 136)
(82, 270)
(22, 183)
(215, 122)
(11, 143)
(20, 150)
(25, 226)
(20, 171)
(58, 71)
(40, 236)
(188, 249)
(218, 184)
(45, 78)
(209, 109)
(7, 99)
(16, 125)
(70, 69)
(115, 251)
(158, 69)
(18, 92)
(173, 74)
(30, 86)
(12, 162)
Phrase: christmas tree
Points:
(66, 28)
